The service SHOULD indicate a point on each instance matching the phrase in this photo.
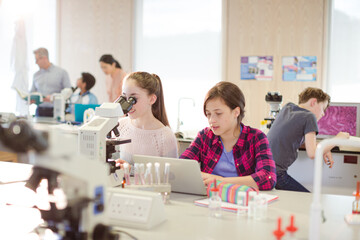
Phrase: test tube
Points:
(126, 173)
(251, 204)
(157, 173)
(136, 174)
(260, 209)
(142, 171)
(166, 173)
(241, 203)
(148, 174)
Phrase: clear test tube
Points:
(241, 203)
(148, 174)
(142, 172)
(127, 173)
(251, 204)
(166, 173)
(260, 209)
(157, 173)
(136, 174)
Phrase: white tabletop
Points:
(185, 220)
(188, 221)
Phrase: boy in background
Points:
(293, 126)
(85, 83)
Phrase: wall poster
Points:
(256, 68)
(299, 68)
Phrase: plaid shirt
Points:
(252, 155)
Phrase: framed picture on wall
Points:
(299, 68)
(256, 68)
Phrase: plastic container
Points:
(215, 203)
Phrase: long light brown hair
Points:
(153, 85)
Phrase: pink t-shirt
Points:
(159, 142)
(114, 84)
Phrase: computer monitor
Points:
(340, 117)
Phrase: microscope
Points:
(82, 182)
(80, 215)
(275, 100)
(95, 137)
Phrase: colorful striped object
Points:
(228, 191)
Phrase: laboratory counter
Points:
(185, 220)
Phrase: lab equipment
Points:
(260, 207)
(135, 209)
(59, 107)
(136, 174)
(278, 233)
(20, 137)
(315, 210)
(7, 117)
(215, 202)
(95, 138)
(340, 117)
(166, 173)
(142, 173)
(241, 202)
(179, 122)
(184, 176)
(275, 100)
(356, 203)
(59, 101)
(148, 174)
(127, 173)
(291, 228)
(85, 193)
(251, 204)
(157, 173)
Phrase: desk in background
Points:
(340, 179)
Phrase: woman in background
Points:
(147, 124)
(114, 76)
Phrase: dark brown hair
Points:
(317, 93)
(109, 59)
(88, 79)
(230, 94)
(152, 83)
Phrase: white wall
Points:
(89, 29)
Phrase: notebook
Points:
(231, 207)
(185, 174)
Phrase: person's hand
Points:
(328, 159)
(120, 162)
(343, 135)
(209, 178)
(47, 98)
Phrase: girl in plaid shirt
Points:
(228, 150)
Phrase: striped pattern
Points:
(228, 192)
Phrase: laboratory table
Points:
(185, 220)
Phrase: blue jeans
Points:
(286, 182)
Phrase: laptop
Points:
(185, 174)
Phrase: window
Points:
(344, 61)
(181, 42)
(39, 17)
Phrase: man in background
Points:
(50, 78)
